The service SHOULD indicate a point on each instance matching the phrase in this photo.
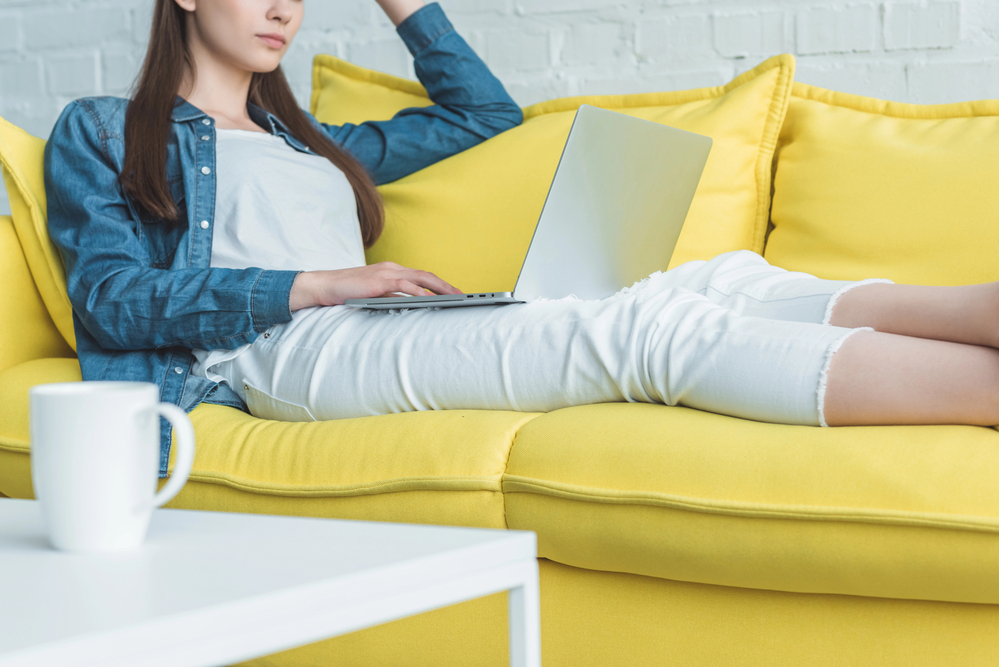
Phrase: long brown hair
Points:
(147, 125)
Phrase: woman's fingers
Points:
(407, 287)
(395, 278)
(433, 283)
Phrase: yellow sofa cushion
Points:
(22, 163)
(26, 330)
(419, 467)
(866, 188)
(890, 511)
(15, 461)
(469, 218)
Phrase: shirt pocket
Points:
(265, 406)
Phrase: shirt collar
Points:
(184, 111)
(265, 119)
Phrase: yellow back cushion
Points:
(871, 189)
(22, 163)
(470, 218)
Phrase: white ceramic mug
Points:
(95, 454)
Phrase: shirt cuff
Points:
(270, 300)
(423, 26)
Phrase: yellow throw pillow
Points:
(470, 218)
(871, 189)
(22, 163)
(345, 93)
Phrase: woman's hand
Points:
(332, 288)
(399, 10)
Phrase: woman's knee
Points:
(698, 275)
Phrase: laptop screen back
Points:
(615, 208)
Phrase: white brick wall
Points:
(923, 51)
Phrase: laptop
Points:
(612, 216)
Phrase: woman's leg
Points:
(746, 283)
(668, 346)
(903, 374)
(966, 314)
(883, 378)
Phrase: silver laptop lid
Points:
(615, 208)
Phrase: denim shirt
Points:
(143, 291)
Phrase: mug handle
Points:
(184, 429)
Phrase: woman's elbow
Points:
(100, 318)
(105, 336)
(103, 330)
(502, 118)
(513, 115)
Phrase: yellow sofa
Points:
(666, 536)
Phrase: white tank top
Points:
(278, 208)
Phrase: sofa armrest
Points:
(26, 330)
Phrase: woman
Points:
(212, 231)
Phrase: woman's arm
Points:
(123, 302)
(470, 103)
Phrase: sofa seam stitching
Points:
(506, 466)
(809, 513)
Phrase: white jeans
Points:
(732, 335)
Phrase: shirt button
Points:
(206, 171)
(205, 121)
(267, 335)
(204, 224)
(205, 137)
(178, 369)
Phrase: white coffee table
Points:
(213, 588)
